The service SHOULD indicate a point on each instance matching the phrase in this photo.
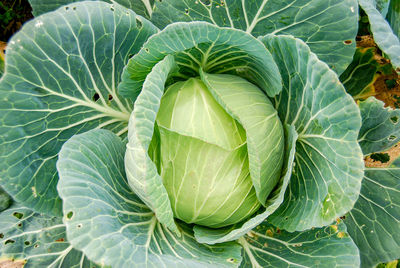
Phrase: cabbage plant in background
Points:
(195, 134)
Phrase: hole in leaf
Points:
(74, 8)
(36, 246)
(343, 217)
(18, 215)
(69, 215)
(112, 8)
(1, 235)
(394, 119)
(19, 224)
(381, 157)
(110, 97)
(392, 138)
(9, 241)
(139, 24)
(130, 55)
(27, 243)
(187, 11)
(348, 42)
(231, 260)
(66, 8)
(146, 49)
(79, 225)
(96, 97)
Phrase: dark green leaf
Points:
(360, 74)
(393, 16)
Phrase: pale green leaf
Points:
(264, 132)
(328, 27)
(141, 171)
(110, 224)
(212, 236)
(267, 246)
(380, 126)
(36, 240)
(203, 46)
(327, 175)
(374, 222)
(62, 71)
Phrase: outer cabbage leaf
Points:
(267, 246)
(62, 70)
(140, 7)
(380, 126)
(110, 224)
(213, 236)
(327, 176)
(328, 27)
(141, 171)
(374, 222)
(36, 240)
(203, 46)
(384, 37)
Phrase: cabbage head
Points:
(203, 157)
